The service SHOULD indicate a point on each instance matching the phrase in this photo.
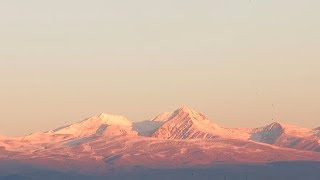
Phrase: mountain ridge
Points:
(183, 138)
(183, 123)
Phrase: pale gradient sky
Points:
(64, 60)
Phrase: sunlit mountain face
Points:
(183, 144)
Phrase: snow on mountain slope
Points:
(95, 127)
(86, 139)
(103, 154)
(186, 123)
(268, 134)
(74, 134)
(98, 125)
(285, 135)
(165, 116)
(183, 138)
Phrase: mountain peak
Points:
(187, 113)
(114, 119)
(186, 109)
(183, 113)
(186, 123)
(271, 133)
(281, 125)
(276, 125)
(288, 127)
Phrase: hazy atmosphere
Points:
(243, 63)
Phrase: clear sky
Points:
(242, 63)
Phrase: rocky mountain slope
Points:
(186, 123)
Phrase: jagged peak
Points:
(282, 125)
(286, 126)
(182, 113)
(274, 127)
(278, 125)
(184, 110)
(110, 119)
(288, 129)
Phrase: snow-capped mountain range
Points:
(183, 138)
(186, 123)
